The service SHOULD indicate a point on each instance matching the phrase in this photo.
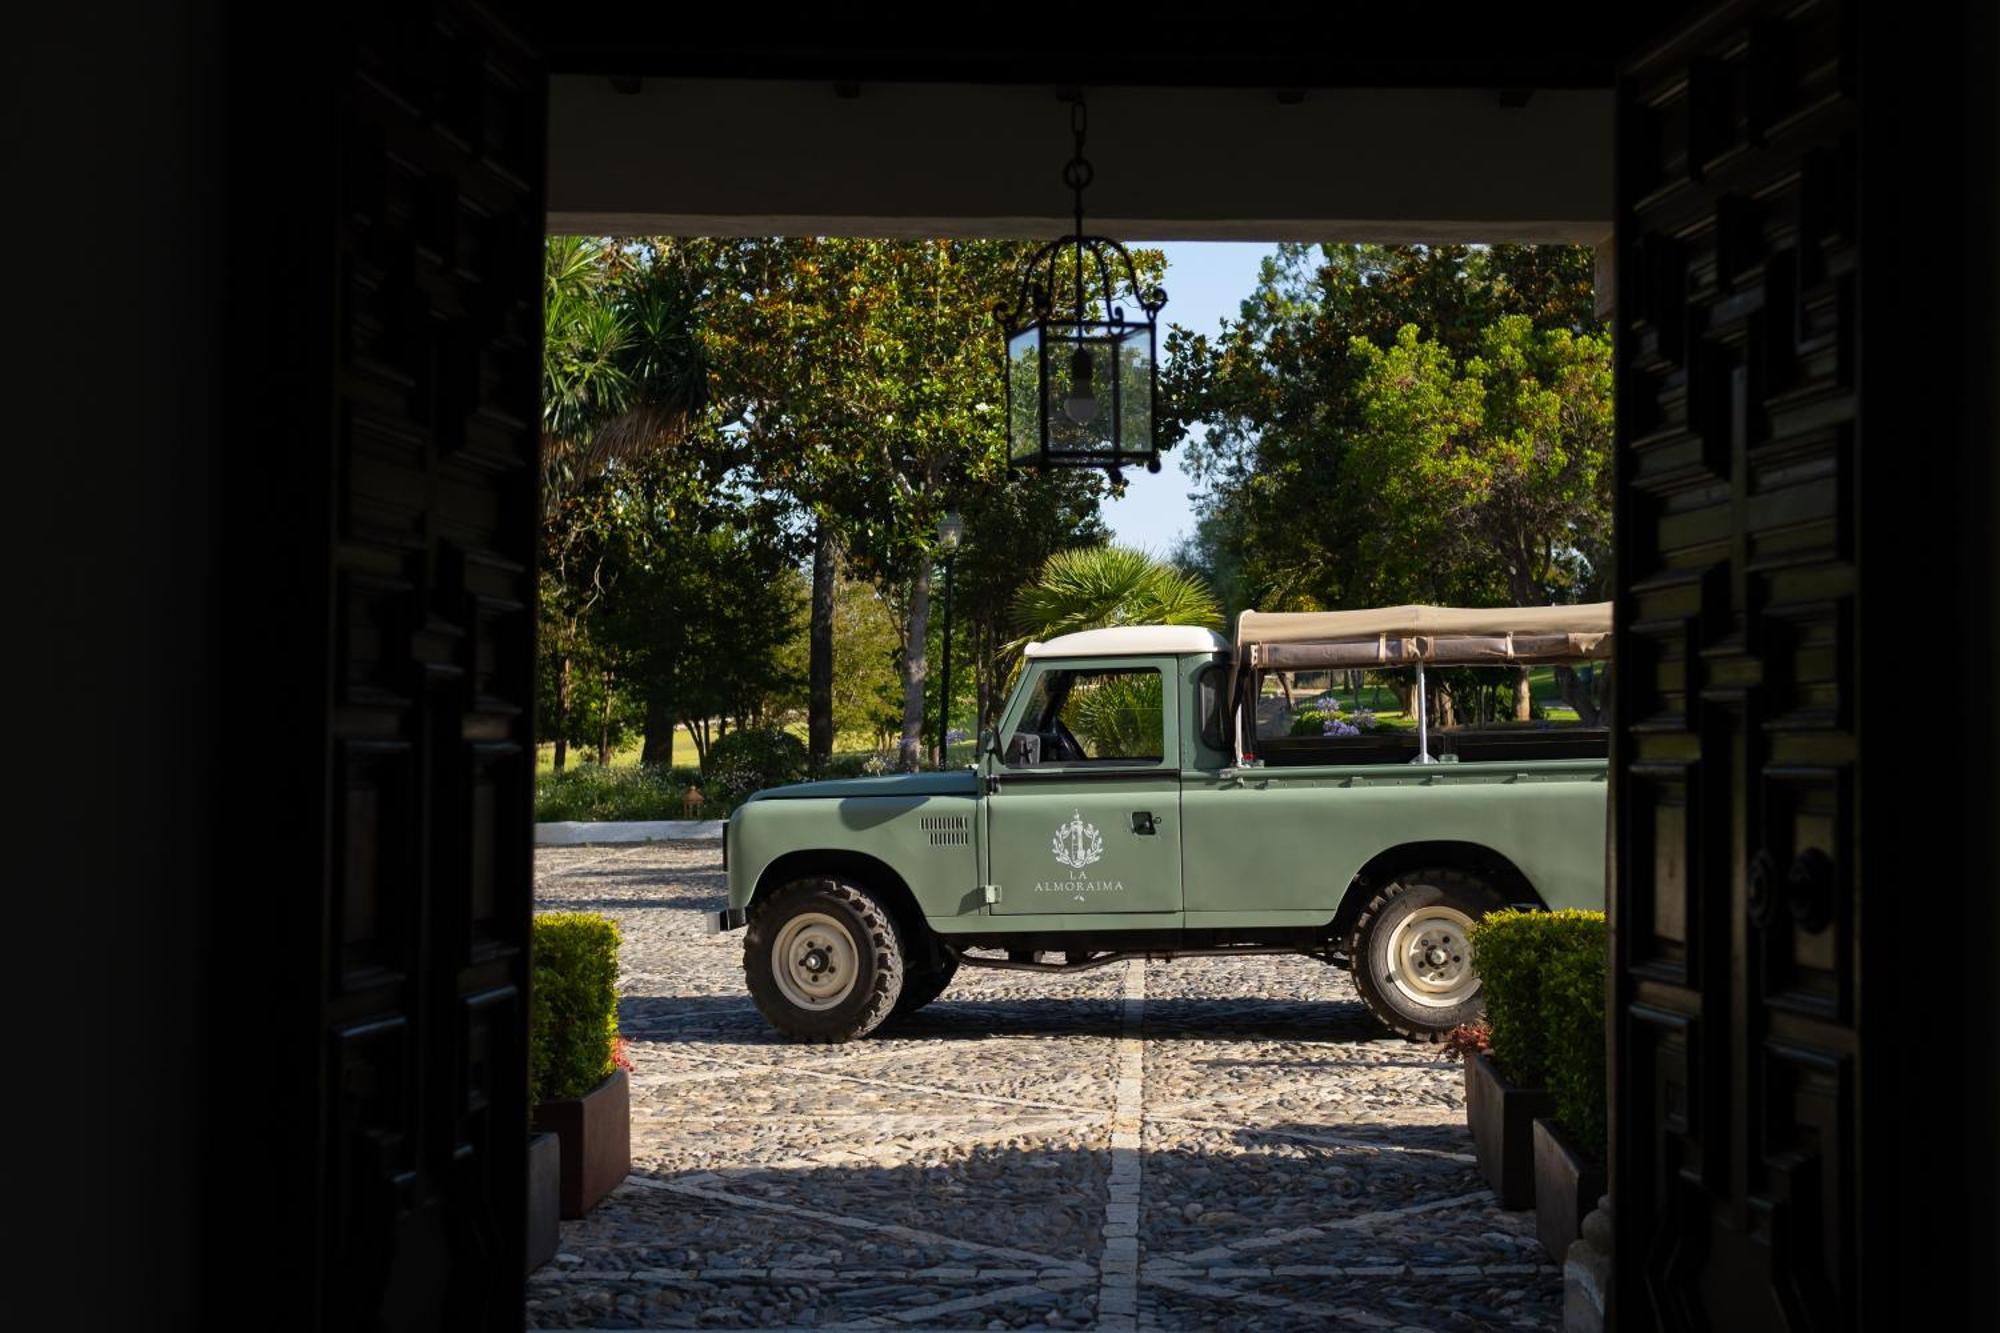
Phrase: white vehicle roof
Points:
(1131, 641)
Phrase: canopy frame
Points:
(1416, 636)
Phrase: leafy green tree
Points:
(1385, 424)
(1281, 396)
(705, 608)
(864, 378)
(867, 687)
(1011, 529)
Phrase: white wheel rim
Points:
(1430, 957)
(814, 961)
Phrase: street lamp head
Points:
(951, 530)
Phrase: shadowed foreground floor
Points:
(1204, 1144)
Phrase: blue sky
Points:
(1206, 281)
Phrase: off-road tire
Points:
(877, 960)
(1431, 894)
(920, 988)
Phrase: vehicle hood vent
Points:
(946, 830)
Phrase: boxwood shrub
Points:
(1573, 1026)
(752, 759)
(573, 1018)
(1541, 975)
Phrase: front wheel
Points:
(1413, 952)
(823, 961)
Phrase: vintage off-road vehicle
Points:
(1159, 792)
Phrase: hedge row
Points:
(573, 1020)
(1542, 977)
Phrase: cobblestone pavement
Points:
(1211, 1143)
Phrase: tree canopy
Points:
(1386, 424)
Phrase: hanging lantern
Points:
(1082, 375)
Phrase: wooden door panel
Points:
(433, 470)
(1733, 1002)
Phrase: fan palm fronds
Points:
(1097, 587)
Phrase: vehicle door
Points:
(1083, 793)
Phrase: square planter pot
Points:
(1502, 1120)
(544, 1198)
(1567, 1186)
(596, 1134)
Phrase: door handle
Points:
(1142, 822)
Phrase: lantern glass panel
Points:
(1024, 395)
(1082, 402)
(1135, 390)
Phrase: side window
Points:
(1209, 687)
(1091, 715)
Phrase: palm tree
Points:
(623, 375)
(1097, 587)
(622, 366)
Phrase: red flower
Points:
(621, 1054)
(1466, 1038)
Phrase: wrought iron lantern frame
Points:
(1092, 334)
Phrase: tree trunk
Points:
(819, 668)
(604, 723)
(916, 670)
(562, 712)
(1524, 698)
(658, 748)
(1587, 712)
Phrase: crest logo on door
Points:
(1078, 844)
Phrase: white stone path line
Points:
(998, 1296)
(1118, 1270)
(695, 1187)
(1358, 1222)
(622, 854)
(1320, 1314)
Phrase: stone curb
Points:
(592, 832)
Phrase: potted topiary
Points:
(1570, 1143)
(1505, 1083)
(577, 1082)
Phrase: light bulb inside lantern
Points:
(1081, 405)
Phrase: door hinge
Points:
(990, 893)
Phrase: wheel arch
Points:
(870, 872)
(1471, 857)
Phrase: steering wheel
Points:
(1063, 745)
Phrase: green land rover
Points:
(1160, 792)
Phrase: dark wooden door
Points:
(430, 474)
(1735, 918)
(1804, 1112)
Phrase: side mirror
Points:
(989, 741)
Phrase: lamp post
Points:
(951, 528)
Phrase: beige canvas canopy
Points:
(1430, 635)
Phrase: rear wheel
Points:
(823, 960)
(1413, 951)
(920, 988)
